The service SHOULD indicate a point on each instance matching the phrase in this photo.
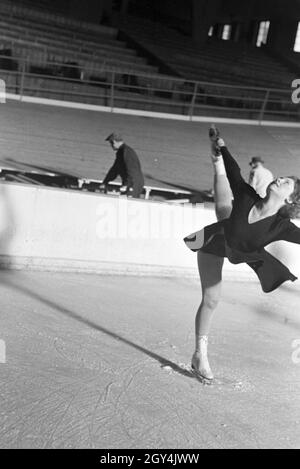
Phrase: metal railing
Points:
(112, 86)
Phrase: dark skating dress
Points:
(241, 241)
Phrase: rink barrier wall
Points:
(72, 231)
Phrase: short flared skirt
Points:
(269, 270)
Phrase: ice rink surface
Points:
(103, 362)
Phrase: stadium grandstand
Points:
(173, 153)
(139, 56)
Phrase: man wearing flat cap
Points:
(260, 177)
(127, 166)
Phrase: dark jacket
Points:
(127, 166)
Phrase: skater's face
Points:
(283, 187)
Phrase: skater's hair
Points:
(292, 209)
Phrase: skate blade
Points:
(201, 378)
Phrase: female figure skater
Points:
(245, 226)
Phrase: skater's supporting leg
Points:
(210, 270)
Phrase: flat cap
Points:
(114, 136)
(256, 159)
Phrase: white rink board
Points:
(56, 229)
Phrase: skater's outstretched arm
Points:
(292, 233)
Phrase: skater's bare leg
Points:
(222, 191)
(210, 270)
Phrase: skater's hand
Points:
(215, 138)
(215, 151)
(220, 143)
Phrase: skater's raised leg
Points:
(222, 191)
